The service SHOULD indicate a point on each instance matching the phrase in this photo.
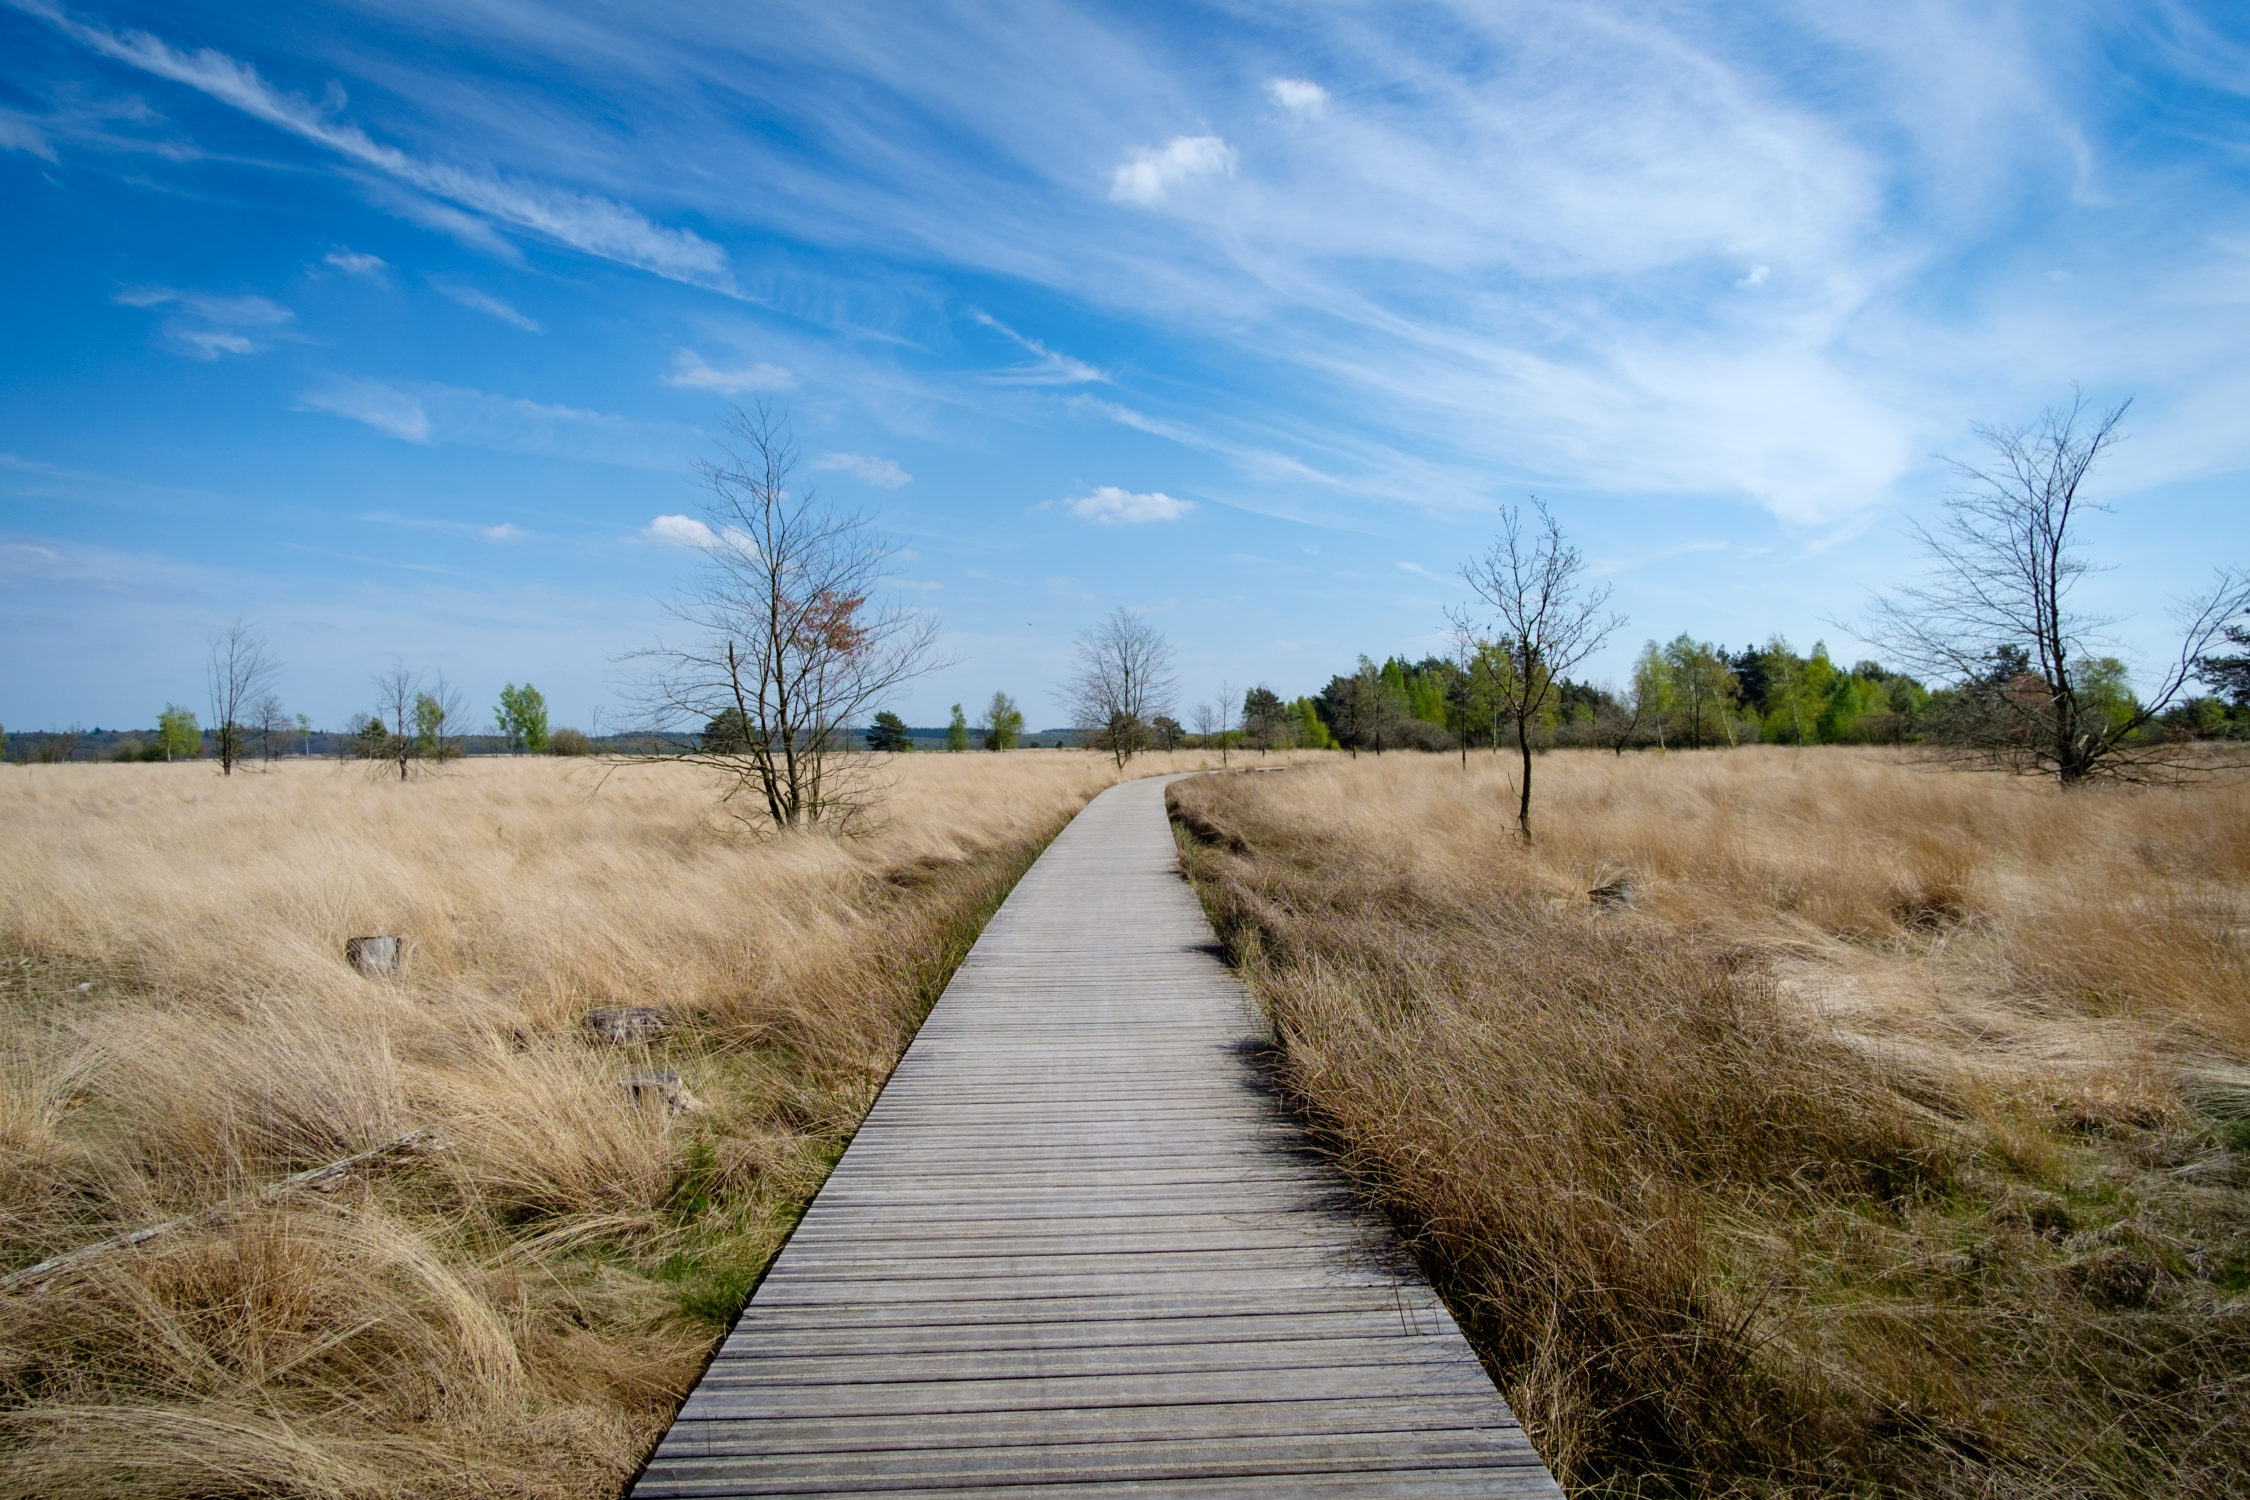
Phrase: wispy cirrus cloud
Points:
(18, 132)
(1048, 368)
(585, 221)
(1110, 505)
(202, 325)
(504, 531)
(384, 407)
(866, 466)
(355, 263)
(430, 412)
(690, 371)
(491, 306)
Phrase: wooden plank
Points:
(1210, 1421)
(1421, 1482)
(1268, 1455)
(1076, 1247)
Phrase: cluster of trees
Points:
(1692, 694)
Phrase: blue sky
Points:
(393, 327)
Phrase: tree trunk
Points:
(1523, 807)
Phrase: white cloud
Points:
(1110, 505)
(690, 372)
(1147, 173)
(383, 407)
(506, 531)
(354, 263)
(1757, 276)
(679, 531)
(202, 326)
(485, 302)
(865, 466)
(585, 221)
(1302, 98)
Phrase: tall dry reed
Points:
(520, 1315)
(1892, 1141)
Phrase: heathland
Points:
(518, 1313)
(1818, 1122)
(1882, 1128)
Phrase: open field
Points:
(1895, 1140)
(518, 1314)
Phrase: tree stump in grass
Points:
(666, 1085)
(376, 957)
(620, 1024)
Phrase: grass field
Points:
(1896, 1139)
(519, 1314)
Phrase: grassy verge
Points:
(521, 1314)
(1717, 1229)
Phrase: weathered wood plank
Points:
(1076, 1248)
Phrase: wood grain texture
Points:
(1076, 1249)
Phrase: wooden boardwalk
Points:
(1076, 1251)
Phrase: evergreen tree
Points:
(2229, 675)
(1265, 719)
(889, 734)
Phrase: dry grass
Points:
(519, 1317)
(1896, 1141)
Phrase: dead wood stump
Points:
(377, 957)
(1614, 893)
(665, 1085)
(620, 1024)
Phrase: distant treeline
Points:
(1684, 693)
(58, 745)
(1694, 694)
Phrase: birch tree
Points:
(1541, 614)
(789, 633)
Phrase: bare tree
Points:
(1124, 680)
(240, 672)
(1618, 718)
(391, 740)
(1996, 612)
(793, 646)
(1545, 620)
(272, 725)
(1226, 719)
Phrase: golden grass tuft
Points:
(520, 1315)
(1893, 1140)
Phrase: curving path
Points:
(1076, 1251)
